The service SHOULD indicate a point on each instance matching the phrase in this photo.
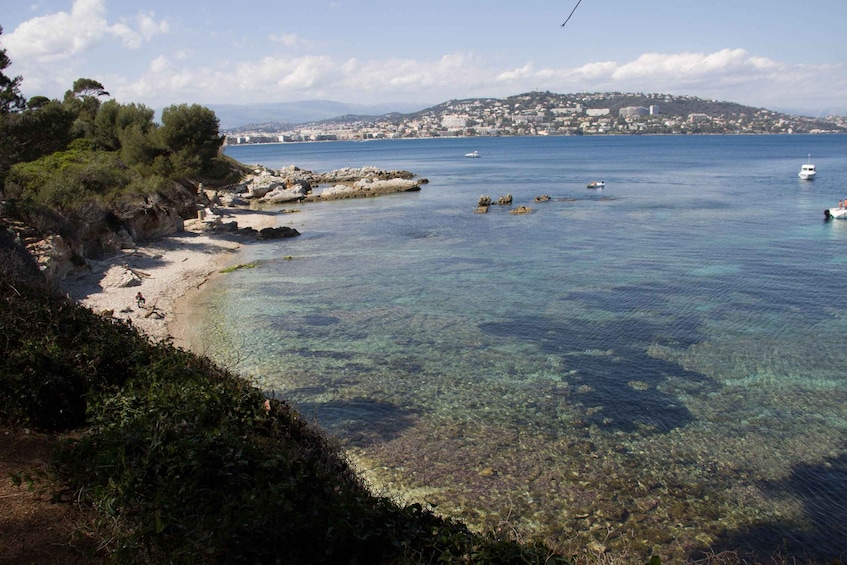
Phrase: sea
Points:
(657, 367)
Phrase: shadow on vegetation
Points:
(822, 490)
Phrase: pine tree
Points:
(10, 97)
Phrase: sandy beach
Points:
(164, 271)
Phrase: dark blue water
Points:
(659, 363)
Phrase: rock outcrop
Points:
(293, 184)
(133, 220)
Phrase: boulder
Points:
(120, 277)
(281, 194)
(338, 189)
(55, 257)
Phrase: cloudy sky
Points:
(788, 56)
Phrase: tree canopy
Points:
(10, 96)
(85, 153)
(34, 134)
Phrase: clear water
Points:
(660, 365)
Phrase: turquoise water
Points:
(660, 365)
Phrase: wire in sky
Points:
(572, 11)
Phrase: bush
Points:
(68, 180)
(56, 354)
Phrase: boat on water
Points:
(834, 213)
(472, 154)
(596, 184)
(807, 170)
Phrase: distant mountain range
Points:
(243, 115)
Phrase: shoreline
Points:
(166, 271)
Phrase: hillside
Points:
(546, 113)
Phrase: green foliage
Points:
(38, 131)
(122, 137)
(55, 353)
(68, 181)
(87, 88)
(114, 119)
(191, 135)
(10, 97)
(83, 101)
(142, 186)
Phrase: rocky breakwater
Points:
(293, 184)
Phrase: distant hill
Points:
(534, 113)
(241, 115)
(531, 102)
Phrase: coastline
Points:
(165, 271)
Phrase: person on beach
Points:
(139, 299)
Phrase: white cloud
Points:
(456, 72)
(518, 74)
(51, 51)
(149, 27)
(146, 28)
(729, 74)
(62, 35)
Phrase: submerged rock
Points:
(279, 232)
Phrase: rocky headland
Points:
(293, 184)
(200, 210)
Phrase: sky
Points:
(775, 54)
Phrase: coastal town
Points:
(548, 114)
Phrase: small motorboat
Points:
(596, 184)
(833, 213)
(472, 154)
(807, 170)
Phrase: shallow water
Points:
(660, 364)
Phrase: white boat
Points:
(833, 213)
(472, 154)
(596, 184)
(807, 171)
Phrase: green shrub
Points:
(68, 180)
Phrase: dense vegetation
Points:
(72, 161)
